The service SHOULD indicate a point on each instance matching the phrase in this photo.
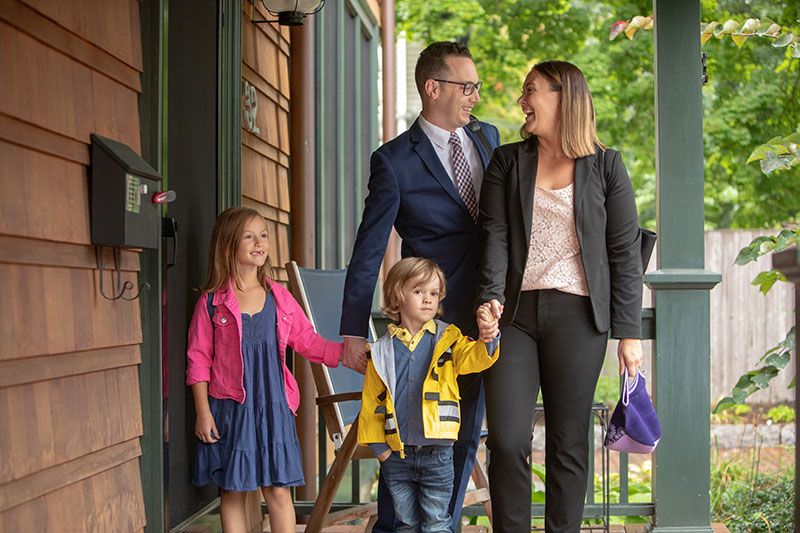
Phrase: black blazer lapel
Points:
(527, 162)
(425, 151)
(584, 167)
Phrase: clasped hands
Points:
(488, 316)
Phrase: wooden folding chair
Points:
(338, 389)
(338, 395)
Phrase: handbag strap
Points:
(210, 305)
(475, 126)
(627, 388)
(210, 308)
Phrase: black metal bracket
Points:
(704, 63)
(169, 232)
(118, 289)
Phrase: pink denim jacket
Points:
(215, 355)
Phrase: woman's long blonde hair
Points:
(225, 239)
(576, 127)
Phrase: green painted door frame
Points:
(681, 285)
(153, 116)
(229, 122)
(152, 112)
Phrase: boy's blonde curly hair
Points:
(400, 275)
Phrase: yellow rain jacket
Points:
(453, 354)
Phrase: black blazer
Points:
(605, 219)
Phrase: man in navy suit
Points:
(426, 183)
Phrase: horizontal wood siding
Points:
(265, 153)
(69, 384)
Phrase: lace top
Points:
(554, 255)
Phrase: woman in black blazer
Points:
(561, 267)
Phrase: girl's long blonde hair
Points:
(225, 239)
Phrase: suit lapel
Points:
(424, 148)
(527, 161)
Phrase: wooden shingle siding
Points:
(100, 499)
(265, 154)
(69, 384)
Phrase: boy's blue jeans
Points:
(421, 486)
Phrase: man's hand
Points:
(354, 355)
(488, 325)
(629, 353)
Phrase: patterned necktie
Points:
(463, 176)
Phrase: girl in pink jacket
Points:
(244, 395)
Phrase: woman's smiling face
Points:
(541, 106)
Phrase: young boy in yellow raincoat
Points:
(409, 407)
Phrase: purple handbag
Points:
(634, 425)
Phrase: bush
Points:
(735, 415)
(781, 414)
(763, 504)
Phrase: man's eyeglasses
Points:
(467, 86)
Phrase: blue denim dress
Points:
(258, 444)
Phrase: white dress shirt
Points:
(440, 139)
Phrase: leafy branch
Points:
(773, 361)
(777, 153)
(776, 358)
(764, 245)
(739, 33)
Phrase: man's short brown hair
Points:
(405, 271)
(431, 62)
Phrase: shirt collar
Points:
(398, 331)
(439, 136)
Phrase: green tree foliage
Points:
(752, 95)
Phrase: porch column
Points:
(388, 88)
(682, 355)
(303, 184)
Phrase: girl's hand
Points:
(205, 428)
(629, 353)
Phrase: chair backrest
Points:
(320, 292)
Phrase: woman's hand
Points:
(495, 307)
(629, 353)
(205, 428)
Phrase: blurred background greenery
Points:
(751, 97)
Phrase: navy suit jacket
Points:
(410, 190)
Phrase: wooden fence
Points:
(745, 323)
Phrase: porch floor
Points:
(637, 528)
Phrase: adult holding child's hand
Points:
(354, 354)
(425, 183)
(560, 268)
